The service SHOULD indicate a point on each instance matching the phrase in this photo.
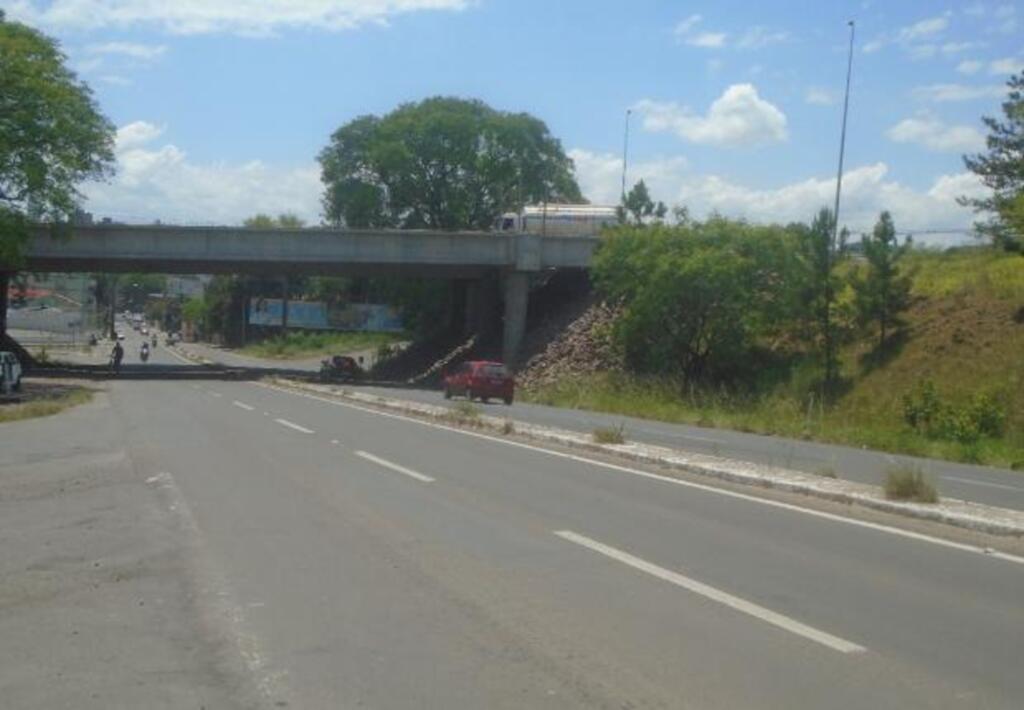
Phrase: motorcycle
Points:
(144, 353)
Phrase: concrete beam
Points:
(169, 249)
(517, 291)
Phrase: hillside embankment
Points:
(949, 384)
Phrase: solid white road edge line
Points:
(921, 537)
(394, 467)
(982, 483)
(243, 405)
(293, 425)
(758, 612)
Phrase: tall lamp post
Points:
(842, 139)
(625, 153)
(829, 343)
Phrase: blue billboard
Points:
(316, 315)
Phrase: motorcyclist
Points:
(116, 356)
(144, 351)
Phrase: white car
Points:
(10, 372)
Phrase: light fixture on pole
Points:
(625, 152)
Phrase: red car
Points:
(480, 379)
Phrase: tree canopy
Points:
(52, 135)
(442, 163)
(1001, 168)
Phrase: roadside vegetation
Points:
(909, 483)
(948, 383)
(303, 344)
(44, 401)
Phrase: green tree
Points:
(134, 289)
(442, 163)
(639, 206)
(817, 256)
(697, 297)
(883, 292)
(1001, 168)
(52, 136)
(285, 220)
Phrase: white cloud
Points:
(116, 80)
(684, 27)
(128, 49)
(819, 97)
(246, 17)
(874, 45)
(924, 28)
(160, 182)
(738, 117)
(970, 66)
(708, 40)
(935, 135)
(1006, 65)
(958, 92)
(922, 51)
(135, 134)
(866, 192)
(949, 48)
(758, 37)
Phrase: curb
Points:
(949, 511)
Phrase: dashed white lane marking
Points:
(243, 405)
(878, 527)
(395, 467)
(983, 483)
(214, 394)
(335, 442)
(742, 605)
(293, 425)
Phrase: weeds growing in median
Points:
(610, 435)
(909, 483)
(45, 407)
(463, 413)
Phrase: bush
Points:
(926, 413)
(909, 483)
(609, 435)
(463, 413)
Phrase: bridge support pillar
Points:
(517, 291)
(5, 285)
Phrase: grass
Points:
(609, 435)
(309, 344)
(961, 334)
(46, 405)
(909, 483)
(465, 413)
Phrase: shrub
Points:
(925, 412)
(908, 482)
(508, 427)
(463, 413)
(609, 435)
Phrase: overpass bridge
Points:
(493, 262)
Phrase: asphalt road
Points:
(367, 560)
(979, 484)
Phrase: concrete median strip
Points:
(950, 511)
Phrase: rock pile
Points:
(585, 346)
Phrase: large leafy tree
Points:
(52, 136)
(1001, 168)
(442, 163)
(697, 298)
(882, 292)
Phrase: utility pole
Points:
(625, 154)
(829, 340)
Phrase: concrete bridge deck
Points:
(480, 257)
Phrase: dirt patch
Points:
(43, 398)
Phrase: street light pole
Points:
(842, 140)
(625, 154)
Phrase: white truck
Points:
(10, 372)
(559, 220)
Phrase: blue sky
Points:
(736, 105)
